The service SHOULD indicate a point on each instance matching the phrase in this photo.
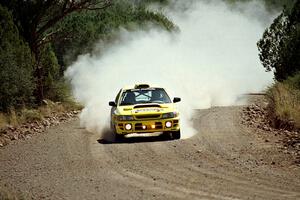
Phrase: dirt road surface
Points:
(223, 161)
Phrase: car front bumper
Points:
(147, 126)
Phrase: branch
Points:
(54, 36)
(82, 5)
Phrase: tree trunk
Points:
(38, 72)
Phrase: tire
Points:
(176, 135)
(117, 137)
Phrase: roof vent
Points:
(140, 86)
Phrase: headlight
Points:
(128, 127)
(168, 124)
(125, 117)
(169, 115)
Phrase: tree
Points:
(87, 28)
(16, 80)
(37, 21)
(280, 45)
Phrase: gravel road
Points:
(223, 161)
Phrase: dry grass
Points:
(14, 117)
(30, 115)
(3, 120)
(285, 105)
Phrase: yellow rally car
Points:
(144, 109)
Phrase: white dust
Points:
(210, 62)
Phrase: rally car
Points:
(144, 109)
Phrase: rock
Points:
(272, 163)
(45, 102)
(297, 145)
(266, 128)
(15, 137)
(25, 130)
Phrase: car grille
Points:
(155, 116)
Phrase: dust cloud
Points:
(210, 62)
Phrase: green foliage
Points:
(16, 80)
(30, 115)
(270, 4)
(55, 87)
(279, 47)
(59, 91)
(36, 21)
(71, 29)
(82, 30)
(294, 81)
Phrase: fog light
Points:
(168, 124)
(128, 127)
(144, 127)
(153, 126)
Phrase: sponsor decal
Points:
(148, 110)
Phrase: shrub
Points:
(284, 105)
(29, 115)
(16, 80)
(294, 81)
(279, 47)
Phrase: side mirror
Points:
(112, 103)
(176, 99)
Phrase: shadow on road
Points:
(138, 139)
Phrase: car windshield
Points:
(141, 96)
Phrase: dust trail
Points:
(211, 61)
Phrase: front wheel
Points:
(176, 135)
(117, 137)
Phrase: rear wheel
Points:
(176, 135)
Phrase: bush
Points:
(294, 81)
(30, 115)
(90, 27)
(55, 87)
(279, 47)
(284, 104)
(59, 91)
(16, 80)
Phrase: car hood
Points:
(139, 109)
